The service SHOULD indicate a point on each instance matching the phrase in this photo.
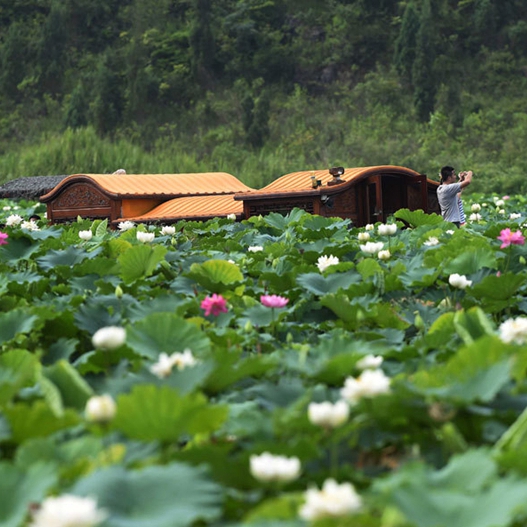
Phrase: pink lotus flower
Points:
(507, 237)
(214, 305)
(3, 238)
(273, 301)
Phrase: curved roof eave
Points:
(167, 186)
(298, 184)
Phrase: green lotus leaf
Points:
(165, 332)
(64, 257)
(151, 413)
(15, 322)
(17, 369)
(73, 388)
(140, 261)
(471, 261)
(18, 249)
(217, 276)
(176, 495)
(21, 488)
(417, 218)
(475, 373)
(231, 368)
(494, 287)
(472, 324)
(37, 420)
(465, 493)
(320, 285)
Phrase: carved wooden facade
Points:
(363, 195)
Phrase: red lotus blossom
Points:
(273, 301)
(3, 238)
(214, 305)
(507, 237)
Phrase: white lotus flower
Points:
(231, 217)
(68, 511)
(459, 280)
(475, 217)
(332, 501)
(184, 360)
(363, 236)
(255, 248)
(168, 230)
(384, 255)
(501, 211)
(14, 219)
(450, 231)
(85, 235)
(431, 241)
(125, 225)
(369, 227)
(500, 203)
(327, 414)
(145, 237)
(267, 467)
(369, 362)
(371, 247)
(30, 225)
(6, 208)
(100, 409)
(326, 261)
(163, 367)
(476, 207)
(109, 337)
(369, 384)
(165, 364)
(387, 229)
(515, 215)
(514, 330)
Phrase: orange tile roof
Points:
(151, 185)
(191, 207)
(301, 181)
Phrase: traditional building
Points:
(363, 195)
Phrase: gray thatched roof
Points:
(30, 188)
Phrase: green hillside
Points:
(260, 88)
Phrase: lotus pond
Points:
(280, 371)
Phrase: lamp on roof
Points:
(336, 172)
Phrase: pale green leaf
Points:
(21, 488)
(175, 495)
(151, 413)
(140, 261)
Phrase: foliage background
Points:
(259, 88)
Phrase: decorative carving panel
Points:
(81, 196)
(281, 206)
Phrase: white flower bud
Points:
(328, 415)
(459, 280)
(68, 511)
(145, 237)
(85, 235)
(100, 409)
(108, 338)
(168, 230)
(332, 501)
(267, 467)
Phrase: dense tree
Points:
(13, 58)
(423, 75)
(123, 66)
(405, 45)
